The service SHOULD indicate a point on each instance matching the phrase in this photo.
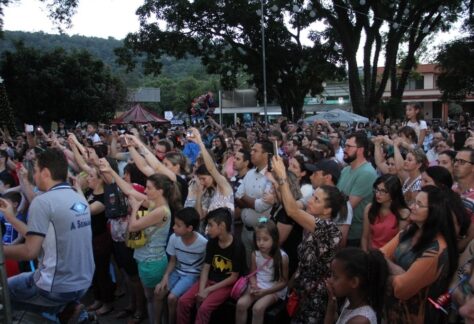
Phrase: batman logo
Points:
(221, 263)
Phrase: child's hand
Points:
(256, 292)
(253, 286)
(163, 285)
(201, 295)
(330, 290)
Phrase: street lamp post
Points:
(264, 66)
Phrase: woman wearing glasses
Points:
(421, 259)
(386, 215)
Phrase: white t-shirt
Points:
(417, 126)
(189, 258)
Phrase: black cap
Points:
(327, 166)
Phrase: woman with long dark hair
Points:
(440, 177)
(386, 215)
(421, 259)
(318, 246)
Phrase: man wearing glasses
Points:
(464, 176)
(356, 182)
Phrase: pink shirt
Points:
(383, 230)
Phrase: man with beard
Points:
(356, 181)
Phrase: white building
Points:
(424, 90)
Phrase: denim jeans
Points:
(25, 295)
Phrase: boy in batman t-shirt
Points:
(224, 262)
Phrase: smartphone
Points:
(269, 167)
(114, 128)
(29, 128)
(123, 141)
(189, 133)
(275, 148)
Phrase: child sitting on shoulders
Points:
(186, 248)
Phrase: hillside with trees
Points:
(180, 80)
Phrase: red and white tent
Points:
(140, 115)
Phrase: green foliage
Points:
(99, 48)
(6, 111)
(173, 70)
(45, 86)
(227, 36)
(456, 59)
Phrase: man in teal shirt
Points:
(356, 181)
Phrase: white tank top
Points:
(348, 314)
(265, 274)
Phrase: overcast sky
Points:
(101, 18)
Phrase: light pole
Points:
(264, 66)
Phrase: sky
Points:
(99, 18)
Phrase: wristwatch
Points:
(281, 181)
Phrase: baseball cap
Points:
(327, 166)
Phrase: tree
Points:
(456, 80)
(226, 35)
(389, 26)
(6, 111)
(45, 86)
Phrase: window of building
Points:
(415, 84)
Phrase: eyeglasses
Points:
(349, 146)
(418, 205)
(380, 191)
(462, 162)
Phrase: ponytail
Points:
(335, 200)
(170, 190)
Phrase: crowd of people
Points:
(330, 223)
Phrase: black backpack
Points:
(116, 205)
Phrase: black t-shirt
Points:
(98, 221)
(224, 261)
(290, 246)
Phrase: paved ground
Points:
(119, 304)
